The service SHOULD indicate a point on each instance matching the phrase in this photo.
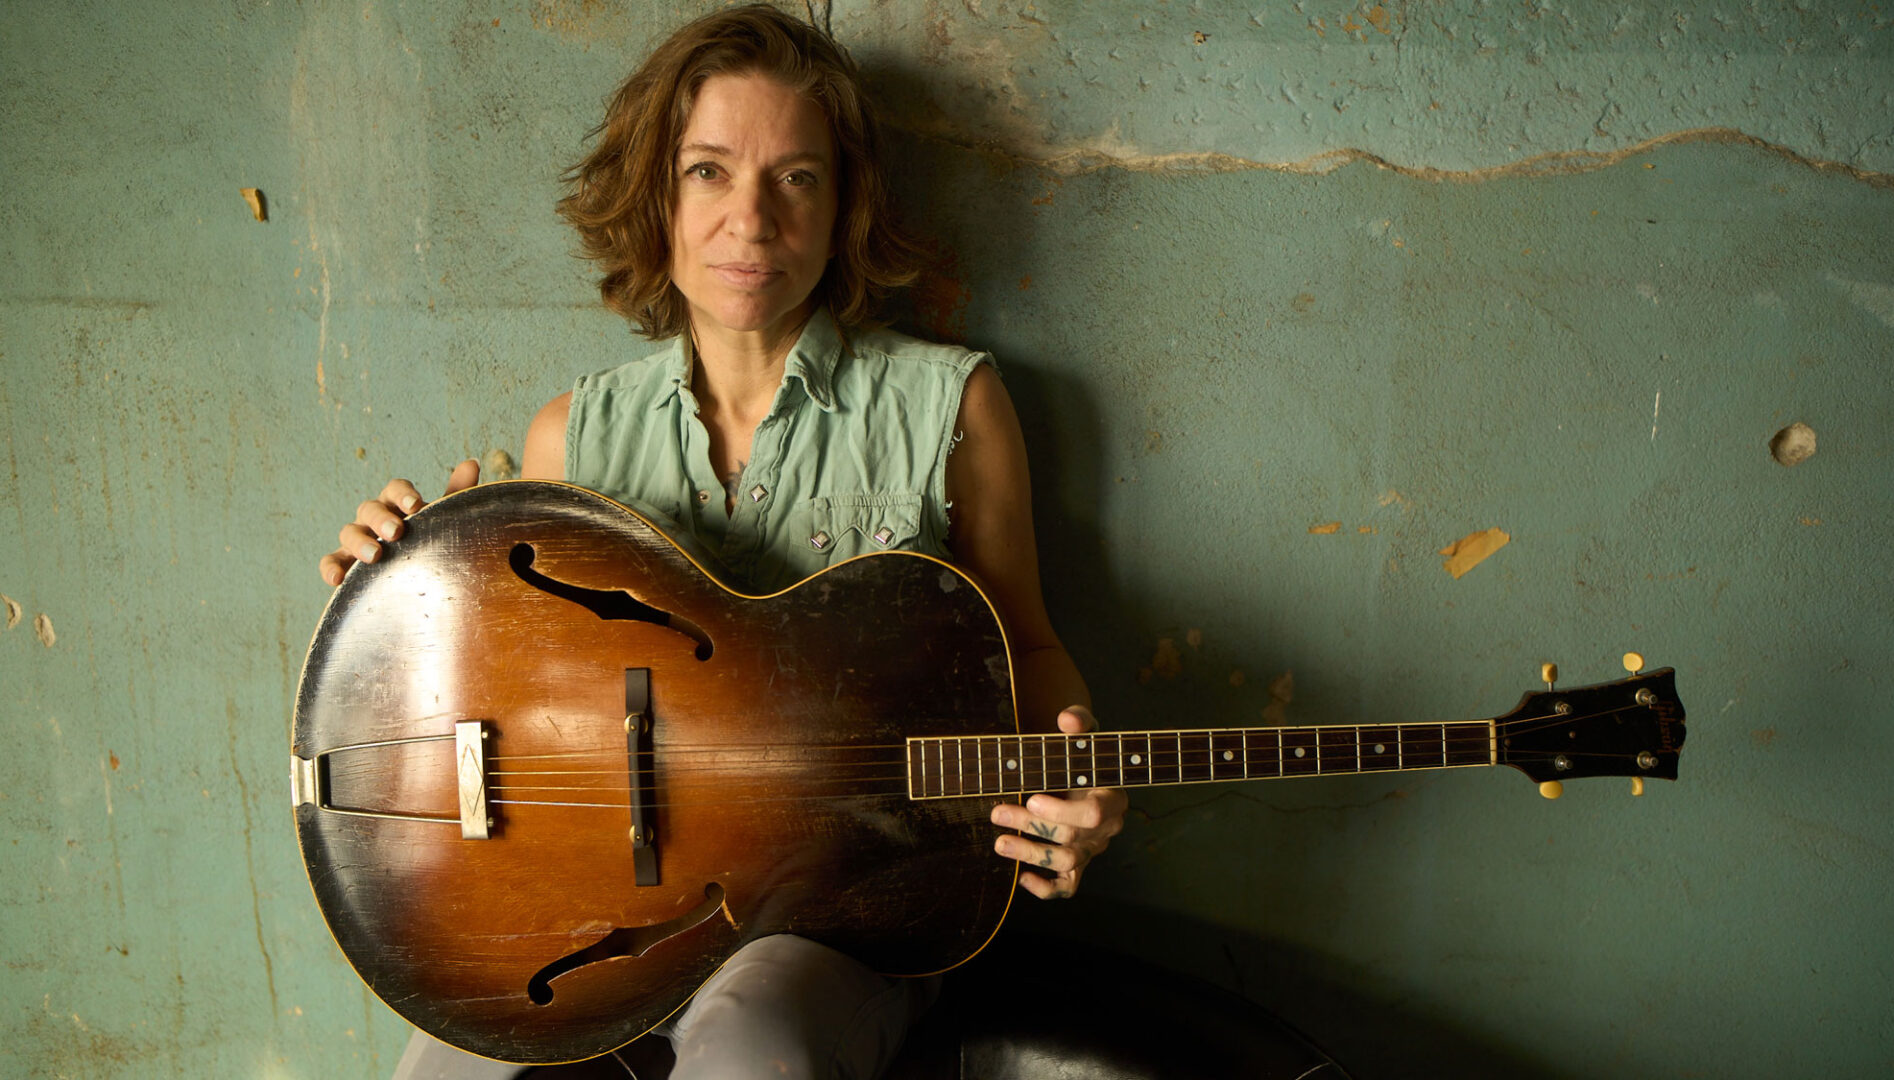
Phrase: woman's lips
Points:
(746, 275)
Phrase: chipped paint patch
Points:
(43, 629)
(1473, 549)
(1793, 444)
(1327, 528)
(14, 612)
(499, 465)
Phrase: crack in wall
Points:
(1082, 161)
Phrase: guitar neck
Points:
(958, 766)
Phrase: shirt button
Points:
(819, 541)
(883, 535)
(703, 496)
(757, 493)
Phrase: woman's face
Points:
(756, 205)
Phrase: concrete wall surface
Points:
(1291, 297)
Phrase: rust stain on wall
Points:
(941, 298)
(1166, 663)
(1282, 689)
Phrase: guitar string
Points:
(1188, 770)
(1480, 737)
(1030, 752)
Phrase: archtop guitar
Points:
(549, 774)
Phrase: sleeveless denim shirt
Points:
(851, 458)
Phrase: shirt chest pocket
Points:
(844, 526)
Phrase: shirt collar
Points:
(814, 357)
(811, 361)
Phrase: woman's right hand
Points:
(383, 518)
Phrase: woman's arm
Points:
(992, 537)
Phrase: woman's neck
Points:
(739, 370)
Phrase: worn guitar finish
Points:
(774, 798)
(549, 775)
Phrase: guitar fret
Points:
(1467, 744)
(1338, 749)
(1020, 764)
(1380, 749)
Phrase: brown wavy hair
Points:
(620, 197)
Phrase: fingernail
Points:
(388, 530)
(1001, 846)
(409, 502)
(368, 552)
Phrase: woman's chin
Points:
(748, 315)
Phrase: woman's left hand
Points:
(1061, 834)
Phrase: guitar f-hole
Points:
(624, 941)
(605, 603)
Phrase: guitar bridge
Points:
(639, 759)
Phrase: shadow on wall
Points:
(1058, 415)
(1376, 1031)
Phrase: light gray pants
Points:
(783, 1007)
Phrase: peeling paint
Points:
(43, 629)
(1472, 549)
(14, 611)
(1327, 528)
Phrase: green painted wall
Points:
(1630, 244)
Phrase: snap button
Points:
(883, 535)
(757, 493)
(703, 496)
(819, 541)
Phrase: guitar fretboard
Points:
(952, 767)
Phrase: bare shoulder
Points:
(985, 405)
(545, 457)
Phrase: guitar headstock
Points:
(1633, 727)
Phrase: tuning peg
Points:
(1550, 673)
(1633, 662)
(1637, 785)
(1552, 789)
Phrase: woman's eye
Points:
(799, 179)
(702, 172)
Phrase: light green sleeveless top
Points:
(852, 457)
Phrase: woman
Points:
(735, 203)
